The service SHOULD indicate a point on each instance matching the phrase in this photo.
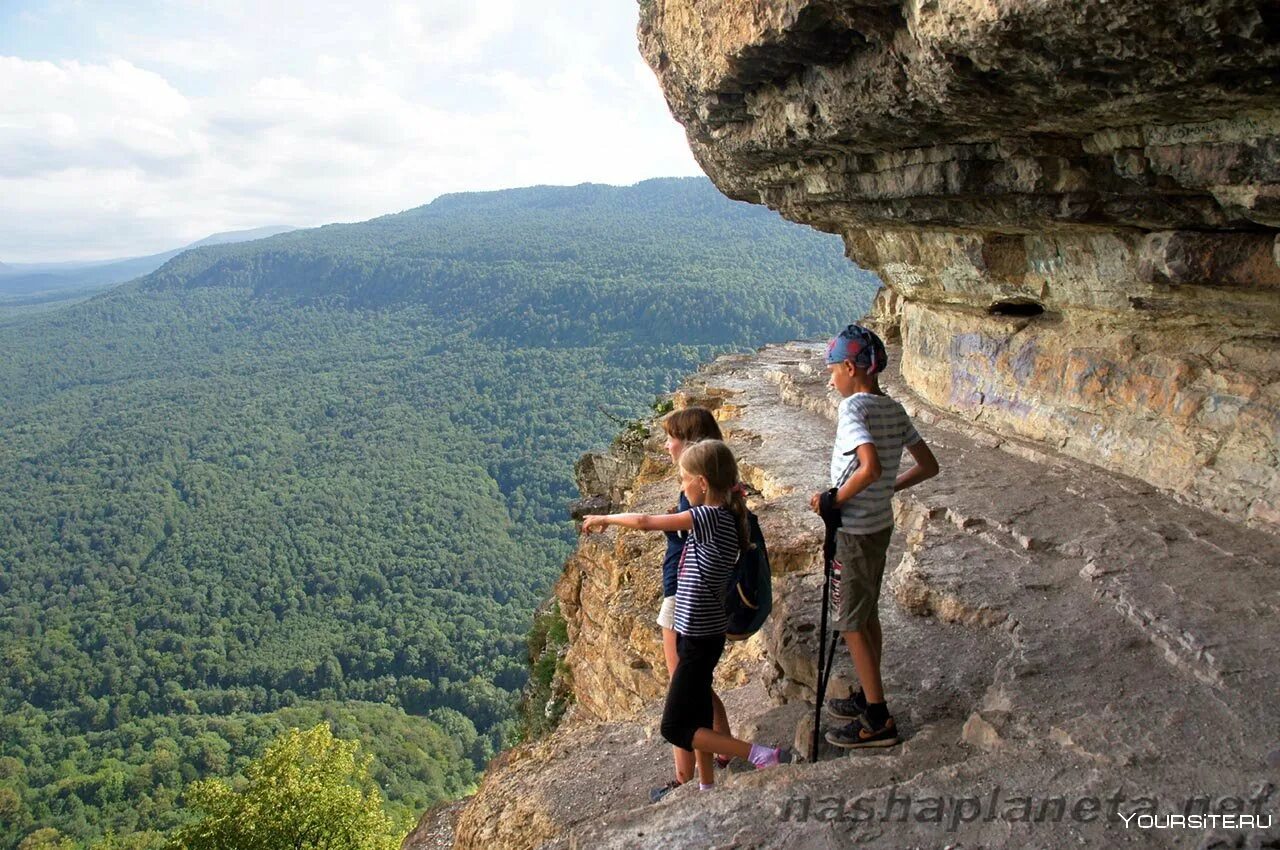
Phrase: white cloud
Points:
(251, 114)
(54, 117)
(449, 33)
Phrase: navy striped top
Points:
(705, 568)
(675, 546)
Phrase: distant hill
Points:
(232, 236)
(54, 280)
(324, 476)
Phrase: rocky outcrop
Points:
(1073, 205)
(1050, 634)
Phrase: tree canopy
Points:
(309, 791)
(323, 477)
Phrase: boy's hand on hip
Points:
(815, 502)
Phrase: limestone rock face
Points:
(1006, 114)
(1049, 633)
(1073, 205)
(611, 588)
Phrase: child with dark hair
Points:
(684, 427)
(718, 533)
(871, 432)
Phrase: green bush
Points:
(549, 690)
(309, 791)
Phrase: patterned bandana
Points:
(860, 347)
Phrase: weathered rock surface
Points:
(1001, 114)
(1053, 631)
(1074, 208)
(436, 827)
(1073, 205)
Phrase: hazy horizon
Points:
(286, 227)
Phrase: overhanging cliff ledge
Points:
(1073, 205)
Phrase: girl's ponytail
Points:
(737, 502)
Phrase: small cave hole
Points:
(1021, 309)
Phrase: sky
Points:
(128, 128)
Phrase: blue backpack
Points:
(749, 597)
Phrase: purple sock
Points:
(706, 786)
(763, 756)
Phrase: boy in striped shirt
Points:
(871, 432)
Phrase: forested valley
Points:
(323, 477)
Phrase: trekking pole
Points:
(826, 669)
(820, 686)
(830, 514)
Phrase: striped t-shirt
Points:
(878, 419)
(705, 567)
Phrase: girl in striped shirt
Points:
(684, 427)
(718, 534)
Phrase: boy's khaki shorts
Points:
(857, 570)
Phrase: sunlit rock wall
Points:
(1073, 204)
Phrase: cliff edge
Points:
(1054, 654)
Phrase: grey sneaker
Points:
(656, 794)
(848, 709)
(859, 734)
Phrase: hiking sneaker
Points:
(859, 734)
(723, 761)
(848, 709)
(656, 794)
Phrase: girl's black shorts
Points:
(688, 705)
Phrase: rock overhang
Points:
(1151, 115)
(1073, 205)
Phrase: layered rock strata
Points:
(1073, 205)
(1056, 636)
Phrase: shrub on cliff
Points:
(547, 695)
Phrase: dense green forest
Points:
(323, 476)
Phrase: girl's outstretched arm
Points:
(682, 521)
